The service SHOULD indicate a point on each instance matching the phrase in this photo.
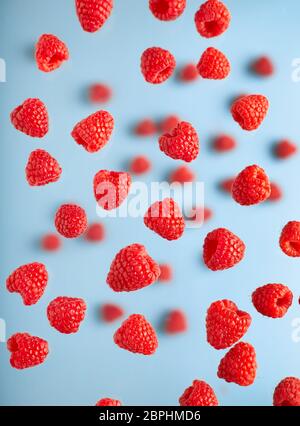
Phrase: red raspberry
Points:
(166, 273)
(226, 185)
(225, 324)
(176, 322)
(95, 232)
(31, 118)
(223, 143)
(182, 174)
(239, 365)
(132, 269)
(92, 14)
(51, 242)
(290, 239)
(165, 218)
(50, 52)
(287, 393)
(251, 186)
(70, 220)
(263, 66)
(140, 165)
(136, 335)
(189, 73)
(276, 193)
(108, 402)
(146, 127)
(167, 10)
(111, 188)
(30, 281)
(42, 168)
(200, 394)
(180, 144)
(94, 132)
(249, 111)
(169, 123)
(111, 313)
(212, 19)
(66, 313)
(272, 300)
(222, 249)
(26, 350)
(213, 64)
(199, 214)
(100, 93)
(285, 149)
(157, 65)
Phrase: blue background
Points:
(86, 366)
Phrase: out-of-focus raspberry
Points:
(223, 143)
(146, 127)
(272, 300)
(31, 118)
(212, 19)
(222, 249)
(136, 335)
(250, 111)
(199, 214)
(182, 174)
(169, 123)
(276, 192)
(157, 65)
(51, 242)
(132, 269)
(188, 73)
(285, 149)
(167, 10)
(99, 93)
(213, 64)
(65, 314)
(70, 220)
(50, 52)
(176, 322)
(199, 394)
(111, 188)
(95, 232)
(287, 393)
(226, 185)
(166, 272)
(180, 144)
(140, 165)
(111, 312)
(42, 168)
(263, 66)
(92, 14)
(251, 186)
(290, 239)
(26, 350)
(108, 402)
(29, 281)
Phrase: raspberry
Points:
(111, 313)
(188, 73)
(223, 143)
(111, 188)
(165, 218)
(50, 52)
(251, 186)
(169, 123)
(249, 111)
(290, 239)
(51, 242)
(263, 66)
(213, 64)
(140, 165)
(287, 393)
(132, 269)
(157, 65)
(239, 365)
(182, 174)
(95, 233)
(222, 249)
(146, 127)
(212, 19)
(30, 281)
(272, 300)
(199, 214)
(182, 143)
(42, 168)
(92, 14)
(225, 324)
(94, 132)
(166, 273)
(276, 193)
(175, 322)
(167, 10)
(285, 149)
(100, 93)
(66, 313)
(136, 335)
(31, 118)
(226, 185)
(70, 220)
(200, 394)
(108, 402)
(26, 350)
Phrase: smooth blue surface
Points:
(84, 367)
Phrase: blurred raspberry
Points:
(157, 65)
(166, 272)
(276, 193)
(167, 10)
(285, 149)
(200, 394)
(182, 174)
(50, 52)
(111, 312)
(176, 322)
(263, 66)
(223, 143)
(146, 127)
(95, 232)
(212, 19)
(213, 64)
(188, 73)
(51, 242)
(226, 185)
(140, 165)
(169, 123)
(199, 214)
(100, 93)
